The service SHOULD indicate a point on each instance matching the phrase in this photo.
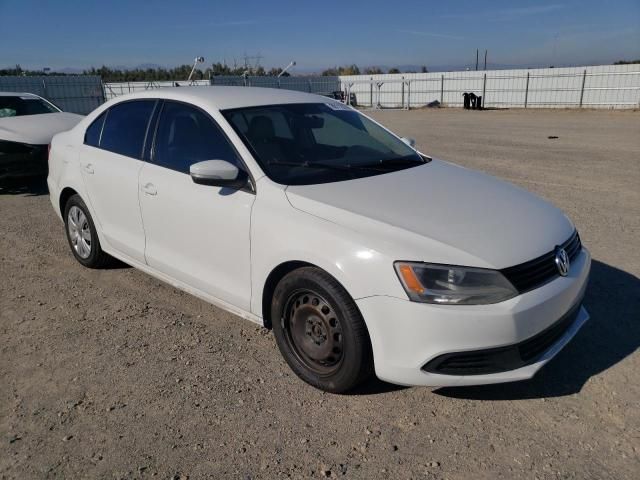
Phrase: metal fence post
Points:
(526, 92)
(409, 95)
(371, 91)
(402, 94)
(584, 77)
(379, 86)
(484, 90)
(442, 89)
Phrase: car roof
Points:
(223, 97)
(18, 94)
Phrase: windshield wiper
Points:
(327, 166)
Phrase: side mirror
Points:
(409, 141)
(218, 173)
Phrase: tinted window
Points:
(186, 135)
(125, 127)
(18, 106)
(92, 135)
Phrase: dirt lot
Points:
(112, 374)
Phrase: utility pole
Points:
(476, 59)
(485, 59)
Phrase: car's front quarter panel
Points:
(280, 233)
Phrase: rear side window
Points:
(92, 135)
(186, 135)
(125, 127)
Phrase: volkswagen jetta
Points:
(302, 214)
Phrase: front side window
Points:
(18, 106)
(186, 135)
(125, 127)
(302, 144)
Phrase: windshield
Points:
(309, 143)
(17, 106)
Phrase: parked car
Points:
(27, 124)
(301, 214)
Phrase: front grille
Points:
(502, 359)
(536, 272)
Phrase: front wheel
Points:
(320, 331)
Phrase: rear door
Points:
(197, 234)
(110, 160)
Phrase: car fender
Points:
(360, 269)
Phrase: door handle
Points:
(149, 189)
(88, 168)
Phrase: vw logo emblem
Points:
(562, 261)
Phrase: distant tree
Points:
(373, 71)
(424, 69)
(345, 70)
(350, 70)
(619, 62)
(394, 70)
(179, 73)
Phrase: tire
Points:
(82, 235)
(320, 331)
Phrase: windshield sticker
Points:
(338, 106)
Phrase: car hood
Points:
(36, 129)
(450, 213)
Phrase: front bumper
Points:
(406, 336)
(22, 160)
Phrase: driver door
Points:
(197, 234)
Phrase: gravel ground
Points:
(112, 374)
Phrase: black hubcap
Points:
(313, 332)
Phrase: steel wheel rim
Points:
(79, 232)
(313, 331)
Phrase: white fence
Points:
(607, 86)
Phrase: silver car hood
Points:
(476, 217)
(36, 129)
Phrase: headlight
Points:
(452, 285)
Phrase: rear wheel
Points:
(82, 235)
(320, 331)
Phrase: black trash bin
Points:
(467, 102)
(472, 100)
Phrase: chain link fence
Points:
(77, 94)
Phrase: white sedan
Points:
(301, 214)
(27, 124)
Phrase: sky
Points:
(317, 34)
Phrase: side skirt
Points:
(187, 288)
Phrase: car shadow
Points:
(375, 386)
(28, 186)
(611, 335)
